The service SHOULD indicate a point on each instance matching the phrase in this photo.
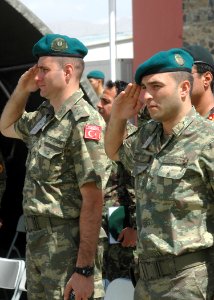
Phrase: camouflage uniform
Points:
(174, 183)
(59, 162)
(119, 191)
(2, 177)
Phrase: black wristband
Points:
(85, 271)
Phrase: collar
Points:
(69, 104)
(185, 122)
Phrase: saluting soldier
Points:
(172, 159)
(66, 170)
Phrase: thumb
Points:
(120, 237)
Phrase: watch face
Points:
(85, 271)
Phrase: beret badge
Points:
(179, 59)
(59, 44)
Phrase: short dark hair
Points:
(181, 76)
(120, 85)
(203, 68)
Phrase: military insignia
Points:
(211, 117)
(179, 59)
(38, 125)
(59, 44)
(92, 132)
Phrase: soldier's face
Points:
(162, 96)
(105, 104)
(50, 77)
(198, 86)
(95, 83)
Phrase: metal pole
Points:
(112, 38)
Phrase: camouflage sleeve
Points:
(90, 159)
(207, 162)
(126, 194)
(207, 159)
(131, 128)
(126, 151)
(143, 116)
(24, 124)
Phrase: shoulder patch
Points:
(211, 117)
(92, 132)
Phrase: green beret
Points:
(59, 45)
(117, 221)
(200, 55)
(96, 74)
(173, 60)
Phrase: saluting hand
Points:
(127, 104)
(27, 81)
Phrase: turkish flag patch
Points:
(92, 132)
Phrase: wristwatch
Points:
(85, 271)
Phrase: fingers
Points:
(120, 237)
(133, 90)
(136, 92)
(128, 244)
(67, 291)
(128, 88)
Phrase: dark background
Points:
(20, 30)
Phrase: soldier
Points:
(97, 79)
(66, 170)
(118, 257)
(172, 159)
(203, 85)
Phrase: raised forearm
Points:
(115, 132)
(17, 102)
(13, 109)
(126, 105)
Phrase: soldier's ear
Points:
(185, 88)
(207, 79)
(68, 70)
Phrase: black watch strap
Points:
(85, 271)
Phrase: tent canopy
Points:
(20, 30)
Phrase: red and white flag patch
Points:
(92, 132)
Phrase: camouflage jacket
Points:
(174, 185)
(61, 158)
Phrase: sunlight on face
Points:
(50, 77)
(161, 96)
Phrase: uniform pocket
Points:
(50, 158)
(168, 177)
(51, 147)
(172, 167)
(46, 158)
